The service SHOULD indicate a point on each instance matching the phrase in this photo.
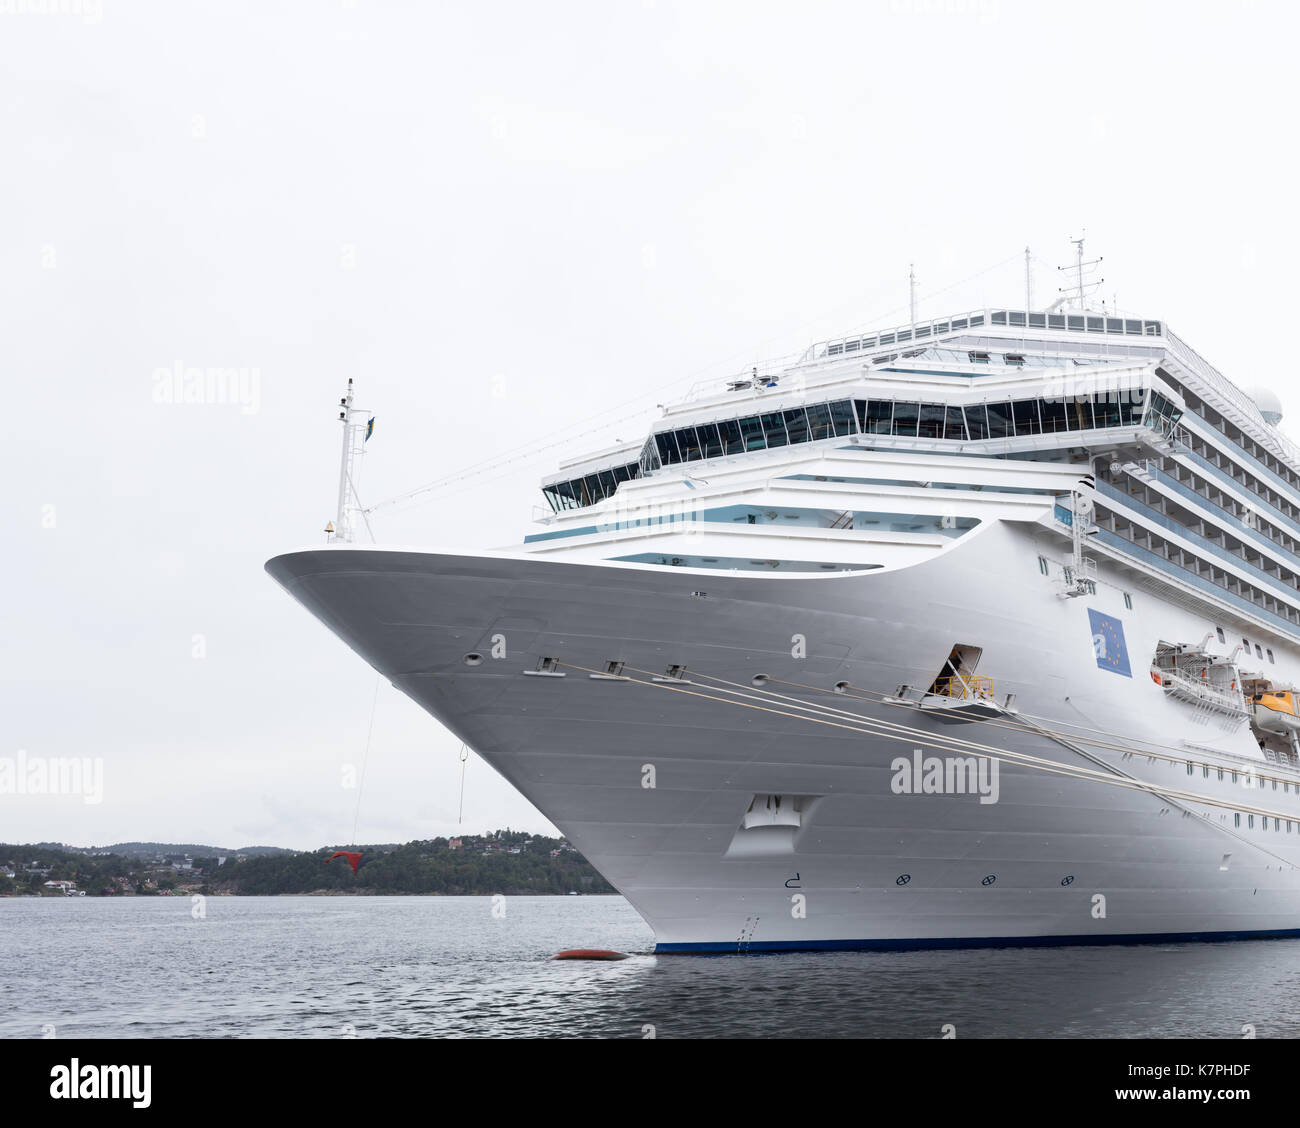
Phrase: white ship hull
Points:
(866, 866)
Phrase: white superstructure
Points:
(951, 634)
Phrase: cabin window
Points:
(1190, 767)
(1270, 656)
(1246, 643)
(1250, 822)
(1258, 652)
(1236, 819)
(1205, 770)
(1219, 632)
(1220, 773)
(1042, 565)
(1128, 601)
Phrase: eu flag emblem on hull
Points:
(1108, 643)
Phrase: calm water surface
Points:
(444, 967)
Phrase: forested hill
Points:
(503, 861)
(481, 865)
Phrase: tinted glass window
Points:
(708, 433)
(1025, 414)
(796, 424)
(1106, 412)
(732, 440)
(1130, 413)
(667, 446)
(999, 420)
(752, 429)
(774, 430)
(977, 421)
(879, 414)
(931, 422)
(819, 421)
(842, 417)
(905, 415)
(1054, 417)
(954, 428)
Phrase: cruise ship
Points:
(977, 630)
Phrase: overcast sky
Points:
(518, 227)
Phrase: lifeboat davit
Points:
(1276, 713)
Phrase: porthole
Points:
(1068, 880)
(473, 659)
(759, 680)
(902, 879)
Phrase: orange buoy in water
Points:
(588, 954)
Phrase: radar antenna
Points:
(1084, 282)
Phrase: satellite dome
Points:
(1270, 407)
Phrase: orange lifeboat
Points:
(1276, 712)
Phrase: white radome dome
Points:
(1270, 407)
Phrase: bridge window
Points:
(905, 417)
(930, 424)
(1000, 424)
(732, 439)
(1025, 414)
(955, 427)
(796, 425)
(774, 430)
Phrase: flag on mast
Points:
(370, 429)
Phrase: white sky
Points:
(504, 220)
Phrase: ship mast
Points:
(340, 530)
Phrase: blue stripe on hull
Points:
(970, 942)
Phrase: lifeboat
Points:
(1276, 712)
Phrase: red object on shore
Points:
(355, 859)
(588, 954)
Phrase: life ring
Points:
(1156, 678)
